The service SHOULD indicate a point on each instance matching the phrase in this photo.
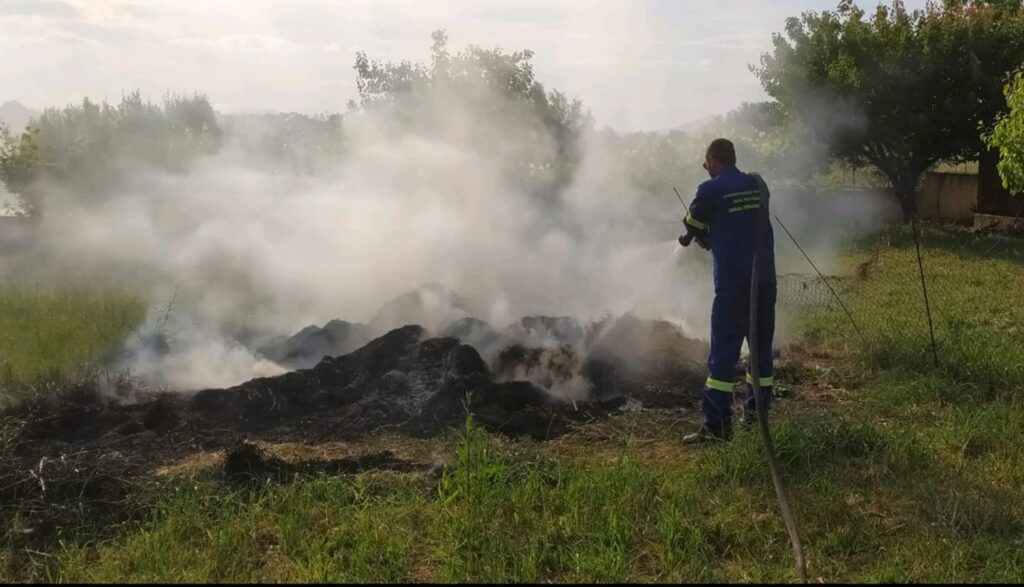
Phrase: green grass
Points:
(49, 334)
(874, 504)
(974, 285)
(916, 474)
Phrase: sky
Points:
(637, 64)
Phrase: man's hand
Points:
(692, 233)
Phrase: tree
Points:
(1008, 137)
(765, 141)
(899, 90)
(655, 162)
(292, 142)
(88, 148)
(19, 161)
(496, 91)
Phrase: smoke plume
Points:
(430, 193)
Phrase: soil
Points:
(247, 464)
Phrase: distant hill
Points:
(16, 115)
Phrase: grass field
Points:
(49, 335)
(898, 470)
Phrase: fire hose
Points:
(762, 415)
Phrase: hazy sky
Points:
(638, 64)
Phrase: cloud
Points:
(508, 12)
(638, 64)
(42, 8)
(231, 43)
(138, 12)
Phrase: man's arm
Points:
(698, 218)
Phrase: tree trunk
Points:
(904, 183)
(906, 203)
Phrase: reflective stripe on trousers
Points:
(730, 324)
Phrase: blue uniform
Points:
(727, 207)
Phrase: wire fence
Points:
(800, 292)
(968, 276)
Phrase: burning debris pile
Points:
(400, 377)
(537, 377)
(407, 379)
(534, 377)
(312, 343)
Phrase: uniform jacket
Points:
(727, 207)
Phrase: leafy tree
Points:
(764, 140)
(1008, 137)
(495, 90)
(288, 141)
(89, 148)
(655, 162)
(899, 90)
(19, 161)
(782, 148)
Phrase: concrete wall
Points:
(992, 222)
(947, 196)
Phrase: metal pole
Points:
(924, 287)
(685, 207)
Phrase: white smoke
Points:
(198, 359)
(429, 195)
(250, 249)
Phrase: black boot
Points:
(717, 426)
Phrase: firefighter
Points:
(722, 217)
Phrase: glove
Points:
(693, 233)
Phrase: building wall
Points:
(950, 197)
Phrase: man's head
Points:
(720, 154)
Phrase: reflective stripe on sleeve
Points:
(694, 222)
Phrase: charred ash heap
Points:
(537, 377)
